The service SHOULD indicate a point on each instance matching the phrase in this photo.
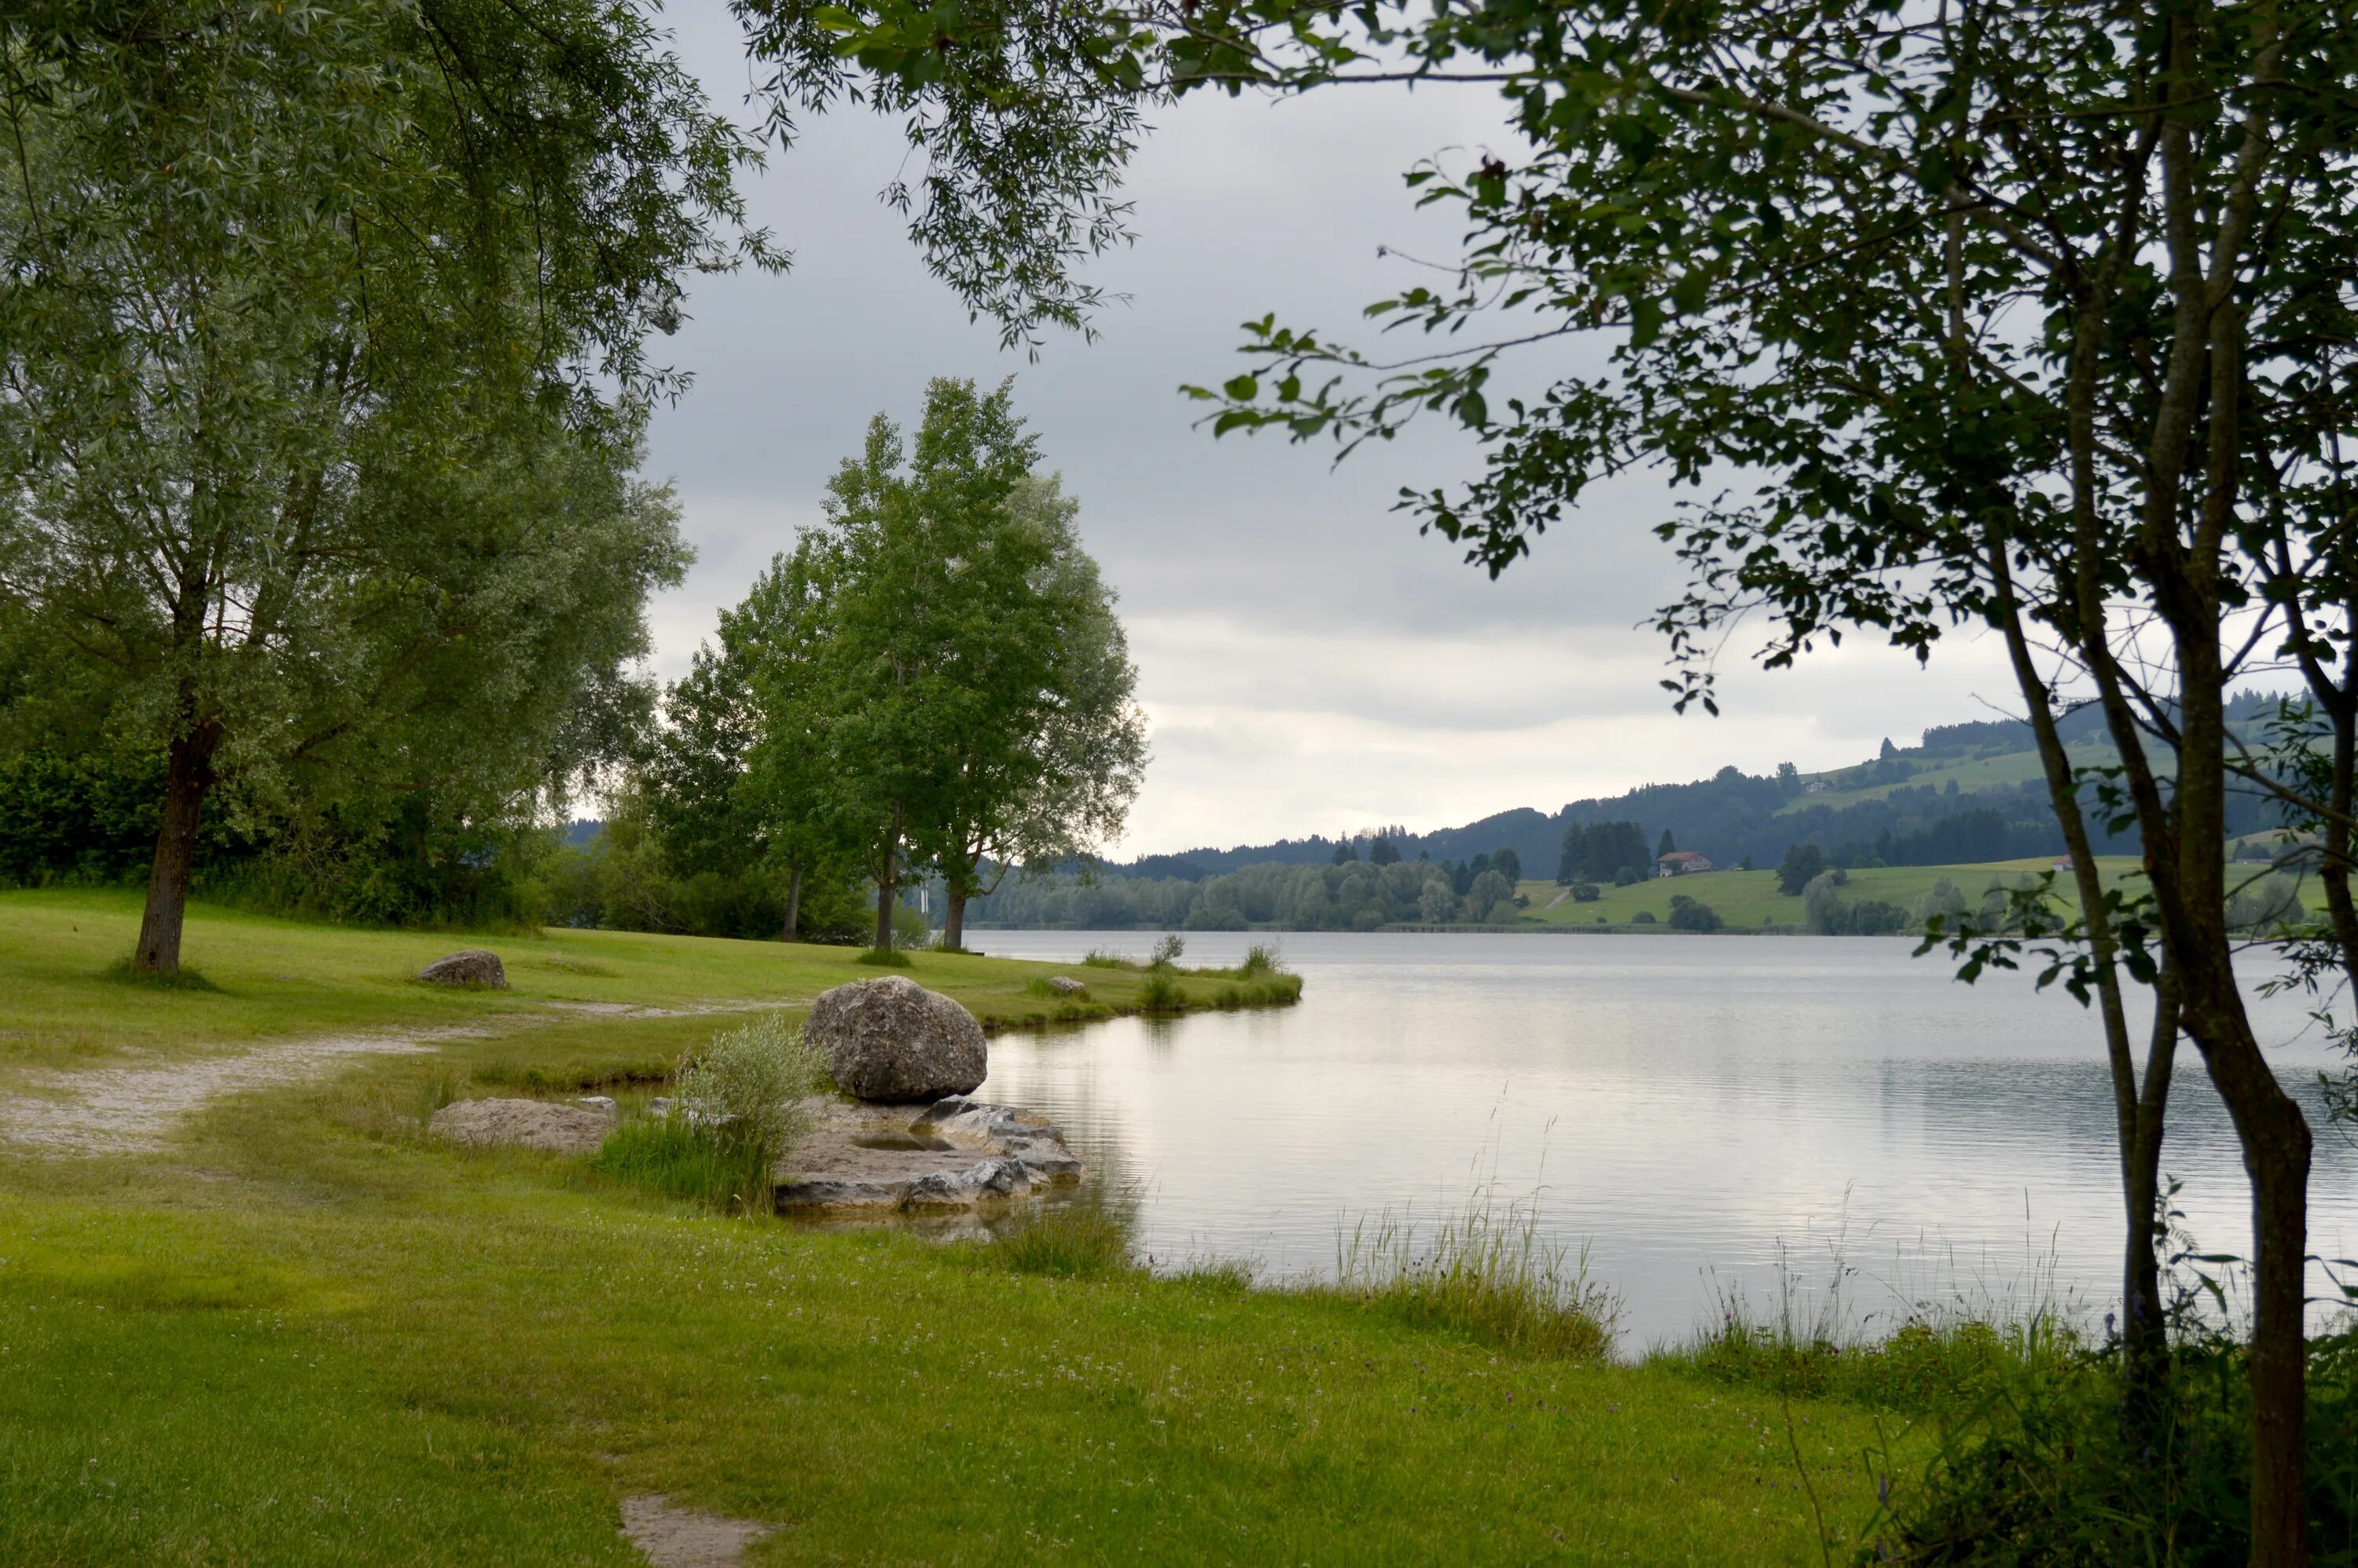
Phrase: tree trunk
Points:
(953, 917)
(885, 887)
(2145, 1333)
(188, 774)
(793, 904)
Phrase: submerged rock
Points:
(892, 1039)
(473, 966)
(521, 1123)
(956, 1154)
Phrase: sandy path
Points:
(118, 1110)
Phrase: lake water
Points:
(1703, 1115)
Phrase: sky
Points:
(1307, 662)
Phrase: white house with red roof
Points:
(1682, 863)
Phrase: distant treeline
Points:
(1355, 896)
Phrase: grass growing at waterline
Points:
(267, 978)
(667, 1156)
(1085, 1237)
(1484, 1272)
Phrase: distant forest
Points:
(1732, 817)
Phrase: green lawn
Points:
(303, 1333)
(263, 978)
(1749, 900)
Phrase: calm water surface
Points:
(1690, 1110)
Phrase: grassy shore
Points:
(295, 1330)
(255, 977)
(1748, 900)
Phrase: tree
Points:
(1052, 759)
(1573, 863)
(1507, 864)
(1383, 851)
(947, 683)
(1669, 846)
(1799, 867)
(735, 781)
(303, 328)
(1889, 752)
(909, 561)
(1692, 915)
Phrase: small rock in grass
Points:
(1065, 985)
(597, 1102)
(474, 967)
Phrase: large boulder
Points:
(474, 967)
(892, 1039)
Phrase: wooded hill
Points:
(1965, 793)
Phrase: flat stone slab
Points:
(955, 1153)
(524, 1123)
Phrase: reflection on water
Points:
(1681, 1106)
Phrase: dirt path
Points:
(120, 1110)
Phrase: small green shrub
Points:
(737, 1110)
(1104, 959)
(1161, 993)
(1168, 951)
(1644, 917)
(1261, 958)
(883, 958)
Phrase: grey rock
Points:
(1065, 985)
(995, 1178)
(892, 1039)
(597, 1102)
(828, 1193)
(520, 1124)
(473, 966)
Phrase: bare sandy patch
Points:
(684, 1537)
(121, 1111)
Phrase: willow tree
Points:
(302, 316)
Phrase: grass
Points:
(306, 1332)
(1483, 1272)
(666, 1156)
(271, 978)
(1748, 900)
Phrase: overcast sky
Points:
(1308, 662)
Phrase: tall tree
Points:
(909, 674)
(1052, 754)
(295, 305)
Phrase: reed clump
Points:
(1485, 1272)
(1087, 1236)
(738, 1108)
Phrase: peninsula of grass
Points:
(298, 1330)
(67, 999)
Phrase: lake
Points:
(1703, 1115)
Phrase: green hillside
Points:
(1749, 900)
